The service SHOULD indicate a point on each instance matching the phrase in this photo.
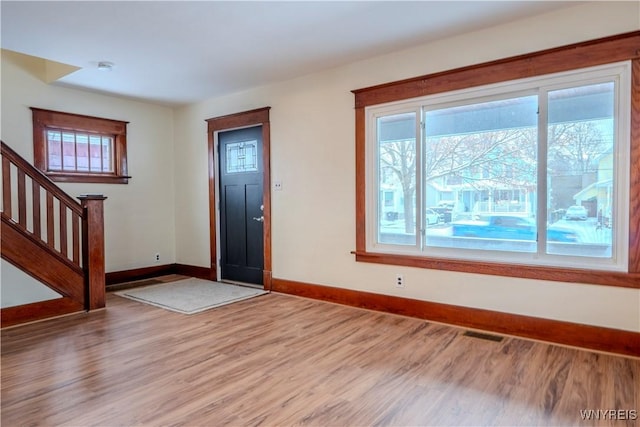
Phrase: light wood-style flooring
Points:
(278, 360)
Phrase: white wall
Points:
(139, 216)
(17, 288)
(312, 137)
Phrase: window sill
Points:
(607, 278)
(92, 179)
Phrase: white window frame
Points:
(619, 72)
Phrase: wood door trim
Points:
(257, 117)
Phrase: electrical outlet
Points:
(399, 281)
(157, 257)
(277, 185)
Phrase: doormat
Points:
(190, 296)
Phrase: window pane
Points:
(580, 166)
(79, 152)
(82, 152)
(397, 179)
(68, 151)
(95, 154)
(54, 150)
(107, 163)
(242, 157)
(480, 175)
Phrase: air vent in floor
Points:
(482, 336)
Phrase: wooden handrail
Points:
(52, 192)
(71, 232)
(38, 176)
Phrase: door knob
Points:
(261, 219)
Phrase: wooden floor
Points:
(278, 360)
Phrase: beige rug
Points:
(189, 296)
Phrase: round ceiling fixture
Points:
(105, 66)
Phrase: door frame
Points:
(245, 119)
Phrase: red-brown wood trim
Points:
(22, 199)
(238, 120)
(553, 331)
(43, 119)
(267, 279)
(37, 175)
(257, 117)
(6, 184)
(116, 277)
(596, 52)
(93, 251)
(72, 121)
(75, 237)
(37, 226)
(11, 316)
(193, 271)
(608, 278)
(620, 47)
(40, 262)
(361, 180)
(266, 201)
(93, 178)
(50, 220)
(634, 178)
(64, 247)
(213, 236)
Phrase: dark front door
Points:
(241, 205)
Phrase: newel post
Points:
(93, 250)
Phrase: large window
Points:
(480, 156)
(74, 148)
(528, 171)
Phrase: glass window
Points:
(242, 157)
(484, 156)
(75, 148)
(81, 152)
(397, 179)
(580, 170)
(524, 171)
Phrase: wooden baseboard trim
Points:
(554, 331)
(37, 311)
(194, 271)
(116, 277)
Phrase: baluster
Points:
(36, 209)
(6, 186)
(50, 228)
(63, 228)
(75, 227)
(22, 199)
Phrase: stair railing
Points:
(71, 231)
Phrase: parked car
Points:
(511, 228)
(496, 227)
(576, 213)
(432, 217)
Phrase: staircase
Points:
(53, 238)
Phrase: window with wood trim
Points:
(76, 148)
(519, 167)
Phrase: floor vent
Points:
(482, 336)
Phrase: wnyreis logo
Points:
(609, 414)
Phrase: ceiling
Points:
(179, 52)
